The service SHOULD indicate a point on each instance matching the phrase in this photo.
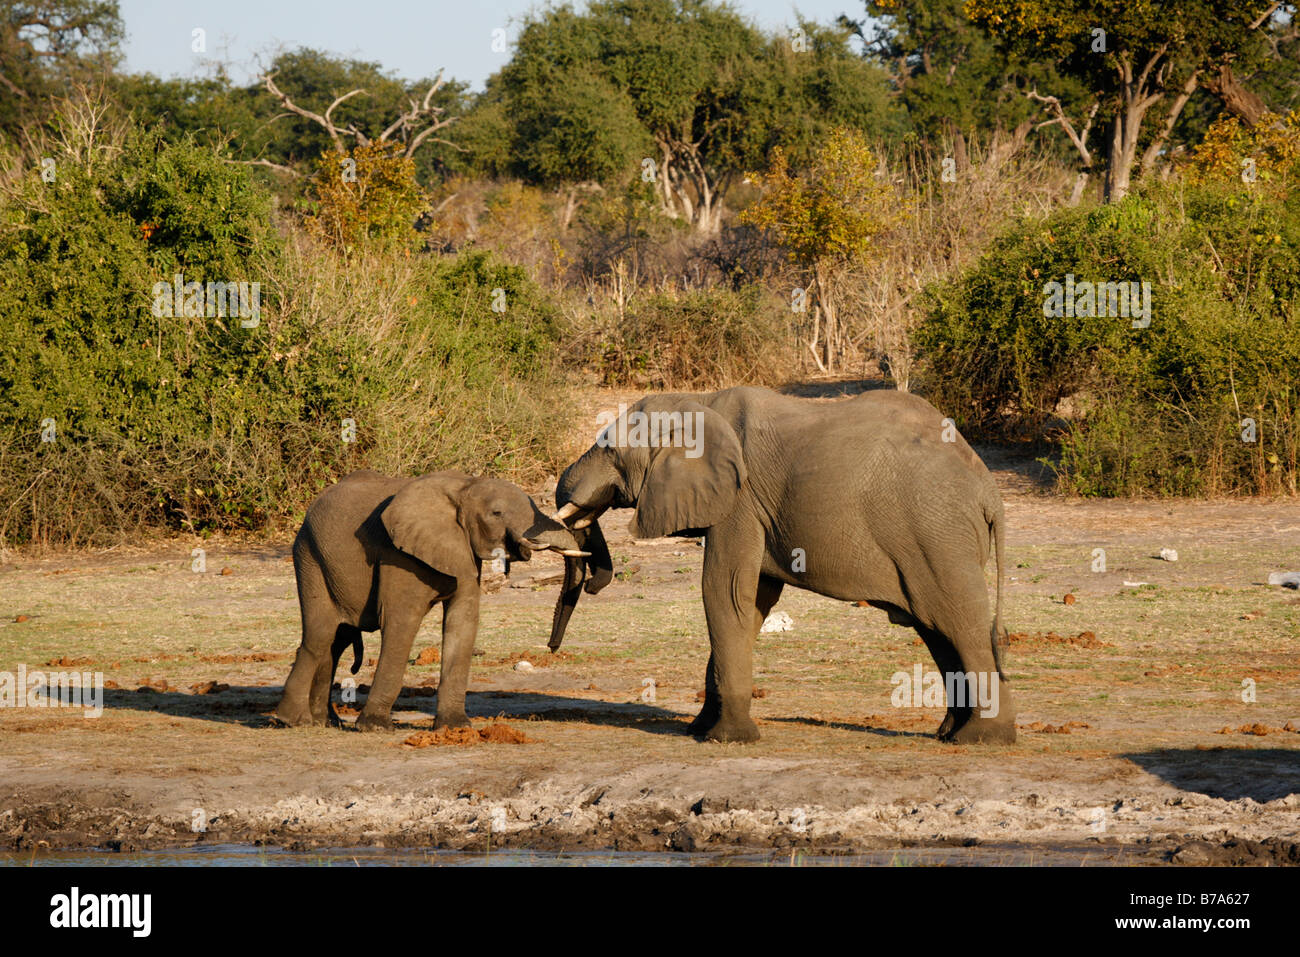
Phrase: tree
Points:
(948, 73)
(45, 43)
(686, 94)
(405, 118)
(826, 219)
(1141, 61)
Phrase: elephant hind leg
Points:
(305, 701)
(984, 711)
(946, 658)
(322, 705)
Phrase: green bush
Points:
(1159, 409)
(206, 422)
(702, 339)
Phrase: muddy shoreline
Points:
(549, 817)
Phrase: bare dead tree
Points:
(415, 126)
(1078, 137)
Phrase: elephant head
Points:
(449, 520)
(677, 462)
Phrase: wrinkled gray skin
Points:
(377, 553)
(882, 508)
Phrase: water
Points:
(246, 855)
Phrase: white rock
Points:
(1129, 584)
(1285, 579)
(524, 666)
(1169, 554)
(777, 621)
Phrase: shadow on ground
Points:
(1261, 774)
(851, 726)
(250, 707)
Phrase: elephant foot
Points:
(288, 716)
(374, 722)
(451, 721)
(738, 730)
(984, 731)
(945, 729)
(704, 721)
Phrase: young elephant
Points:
(377, 553)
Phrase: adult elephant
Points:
(874, 498)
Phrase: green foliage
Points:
(950, 74)
(204, 421)
(584, 129)
(497, 310)
(255, 125)
(1156, 409)
(832, 211)
(1136, 60)
(827, 219)
(47, 46)
(368, 196)
(1269, 151)
(704, 339)
(688, 84)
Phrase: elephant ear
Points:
(423, 521)
(693, 482)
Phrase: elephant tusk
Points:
(547, 546)
(583, 522)
(563, 514)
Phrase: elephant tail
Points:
(996, 519)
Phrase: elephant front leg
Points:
(735, 604)
(766, 595)
(459, 629)
(712, 709)
(397, 635)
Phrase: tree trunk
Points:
(1158, 144)
(570, 202)
(1080, 184)
(1123, 147)
(1237, 100)
(831, 344)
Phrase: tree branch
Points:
(323, 121)
(1054, 104)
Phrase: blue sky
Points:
(412, 38)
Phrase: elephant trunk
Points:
(597, 569)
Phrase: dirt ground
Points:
(1159, 706)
